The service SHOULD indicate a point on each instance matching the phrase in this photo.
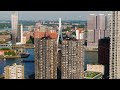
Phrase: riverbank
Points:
(2, 57)
(23, 46)
(1, 76)
(91, 49)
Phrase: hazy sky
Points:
(50, 15)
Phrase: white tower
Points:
(59, 32)
(21, 33)
(77, 34)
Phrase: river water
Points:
(29, 67)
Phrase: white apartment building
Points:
(14, 72)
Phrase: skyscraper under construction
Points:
(45, 54)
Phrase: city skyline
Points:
(51, 15)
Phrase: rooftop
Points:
(90, 74)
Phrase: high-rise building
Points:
(103, 54)
(72, 59)
(97, 29)
(45, 54)
(101, 24)
(14, 72)
(19, 33)
(115, 45)
(91, 27)
(108, 21)
(14, 24)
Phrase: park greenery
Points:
(3, 25)
(91, 74)
(31, 40)
(10, 53)
(5, 49)
(4, 33)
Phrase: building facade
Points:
(19, 33)
(45, 54)
(104, 53)
(95, 68)
(97, 28)
(72, 60)
(91, 27)
(115, 45)
(14, 72)
(14, 24)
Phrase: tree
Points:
(32, 39)
(13, 53)
(5, 49)
(9, 53)
(73, 33)
(68, 28)
(5, 53)
(29, 41)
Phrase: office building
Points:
(108, 24)
(14, 72)
(72, 59)
(104, 54)
(19, 33)
(91, 27)
(14, 24)
(115, 45)
(45, 54)
(97, 27)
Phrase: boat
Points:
(24, 54)
(26, 61)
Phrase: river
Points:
(90, 58)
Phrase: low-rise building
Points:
(92, 75)
(95, 68)
(14, 72)
(94, 72)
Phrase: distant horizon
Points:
(50, 15)
(45, 20)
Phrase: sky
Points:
(50, 15)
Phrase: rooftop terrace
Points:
(92, 75)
